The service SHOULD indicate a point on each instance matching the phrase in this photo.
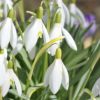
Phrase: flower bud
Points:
(40, 12)
(58, 53)
(58, 17)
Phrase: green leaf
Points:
(33, 89)
(93, 60)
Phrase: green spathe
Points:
(58, 17)
(58, 53)
(40, 12)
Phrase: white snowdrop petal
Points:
(67, 14)
(56, 31)
(65, 77)
(32, 53)
(69, 39)
(53, 48)
(96, 88)
(16, 80)
(59, 2)
(13, 38)
(8, 4)
(56, 77)
(2, 69)
(47, 74)
(18, 47)
(6, 85)
(5, 53)
(31, 34)
(72, 9)
(62, 17)
(45, 34)
(82, 17)
(5, 33)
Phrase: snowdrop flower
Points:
(57, 31)
(3, 56)
(64, 11)
(19, 46)
(10, 76)
(8, 34)
(77, 17)
(8, 5)
(35, 31)
(96, 88)
(57, 74)
(7, 75)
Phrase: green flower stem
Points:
(71, 88)
(45, 63)
(74, 1)
(93, 60)
(89, 93)
(0, 94)
(18, 27)
(21, 10)
(48, 13)
(16, 2)
(49, 20)
(39, 54)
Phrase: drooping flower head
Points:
(57, 74)
(77, 16)
(64, 11)
(56, 31)
(7, 75)
(8, 33)
(6, 5)
(35, 31)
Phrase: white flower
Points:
(77, 17)
(19, 46)
(7, 75)
(96, 88)
(10, 76)
(57, 31)
(64, 11)
(8, 5)
(32, 33)
(3, 57)
(8, 34)
(56, 75)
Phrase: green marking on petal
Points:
(10, 64)
(40, 34)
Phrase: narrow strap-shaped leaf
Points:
(93, 60)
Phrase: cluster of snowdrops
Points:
(13, 39)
